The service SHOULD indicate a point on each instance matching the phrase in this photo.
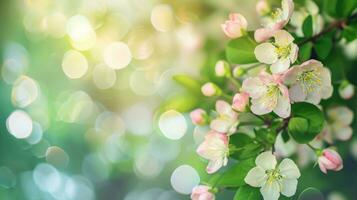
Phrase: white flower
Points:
(346, 90)
(227, 119)
(274, 21)
(338, 126)
(268, 94)
(310, 82)
(215, 149)
(279, 54)
(299, 16)
(273, 179)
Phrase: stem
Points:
(235, 82)
(253, 66)
(313, 148)
(339, 24)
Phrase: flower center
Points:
(273, 175)
(283, 52)
(309, 80)
(270, 98)
(275, 14)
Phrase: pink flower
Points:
(209, 89)
(215, 149)
(268, 94)
(330, 160)
(227, 119)
(202, 192)
(262, 7)
(198, 116)
(235, 26)
(240, 101)
(346, 90)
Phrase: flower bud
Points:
(235, 26)
(346, 90)
(238, 72)
(240, 101)
(210, 89)
(330, 160)
(262, 7)
(222, 68)
(202, 192)
(198, 116)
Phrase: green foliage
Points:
(339, 8)
(305, 51)
(189, 83)
(241, 50)
(247, 192)
(234, 176)
(181, 103)
(307, 28)
(307, 121)
(244, 146)
(323, 47)
(350, 32)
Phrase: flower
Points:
(280, 54)
(198, 116)
(210, 89)
(299, 16)
(235, 26)
(227, 119)
(338, 126)
(330, 160)
(273, 179)
(222, 68)
(262, 7)
(240, 101)
(275, 20)
(346, 90)
(268, 94)
(310, 82)
(202, 192)
(215, 149)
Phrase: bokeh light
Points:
(117, 55)
(19, 124)
(162, 17)
(173, 125)
(81, 32)
(103, 76)
(74, 64)
(24, 92)
(184, 178)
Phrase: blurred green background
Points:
(83, 86)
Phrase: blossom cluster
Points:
(281, 81)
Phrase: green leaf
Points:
(307, 28)
(285, 136)
(350, 32)
(345, 7)
(234, 176)
(298, 129)
(330, 7)
(307, 121)
(305, 52)
(189, 83)
(247, 192)
(239, 139)
(181, 102)
(323, 47)
(241, 50)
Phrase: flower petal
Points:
(254, 87)
(288, 169)
(283, 38)
(214, 166)
(256, 177)
(266, 160)
(283, 107)
(258, 107)
(263, 34)
(296, 93)
(288, 8)
(288, 187)
(280, 66)
(265, 53)
(222, 107)
(220, 125)
(270, 191)
(293, 53)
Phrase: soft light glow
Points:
(117, 55)
(82, 35)
(104, 77)
(138, 119)
(172, 124)
(74, 64)
(7, 178)
(55, 24)
(147, 165)
(95, 168)
(162, 18)
(15, 62)
(110, 123)
(36, 134)
(24, 92)
(142, 82)
(47, 178)
(19, 124)
(184, 178)
(57, 157)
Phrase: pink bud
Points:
(198, 116)
(209, 89)
(346, 90)
(330, 160)
(263, 34)
(262, 7)
(222, 68)
(202, 192)
(240, 101)
(235, 26)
